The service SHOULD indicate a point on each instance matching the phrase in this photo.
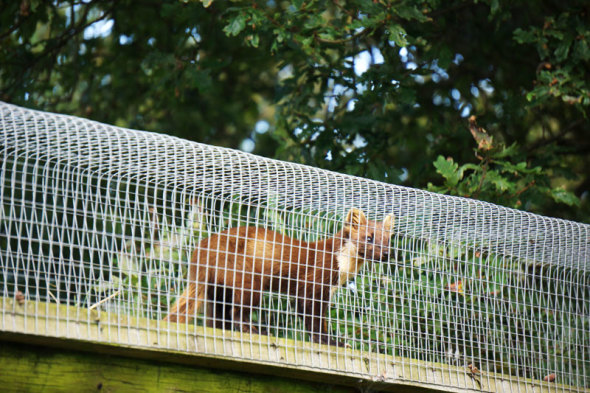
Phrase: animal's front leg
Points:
(320, 335)
(314, 311)
(244, 300)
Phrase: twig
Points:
(104, 300)
(532, 183)
(53, 296)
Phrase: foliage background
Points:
(381, 89)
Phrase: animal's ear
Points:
(388, 222)
(355, 219)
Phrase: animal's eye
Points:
(370, 239)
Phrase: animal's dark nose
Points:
(385, 255)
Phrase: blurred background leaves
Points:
(374, 88)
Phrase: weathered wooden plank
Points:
(27, 368)
(104, 333)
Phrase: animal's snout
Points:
(378, 254)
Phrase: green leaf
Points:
(500, 182)
(472, 167)
(582, 50)
(409, 12)
(524, 37)
(562, 50)
(561, 195)
(398, 35)
(449, 170)
(254, 40)
(507, 151)
(494, 7)
(236, 25)
(519, 168)
(297, 4)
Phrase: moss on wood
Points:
(28, 368)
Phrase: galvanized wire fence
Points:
(175, 245)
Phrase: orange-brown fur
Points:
(232, 268)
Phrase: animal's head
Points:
(371, 238)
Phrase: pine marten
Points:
(232, 268)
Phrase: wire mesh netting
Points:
(170, 244)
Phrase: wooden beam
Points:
(29, 368)
(103, 333)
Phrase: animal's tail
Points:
(190, 302)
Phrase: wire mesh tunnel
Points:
(129, 237)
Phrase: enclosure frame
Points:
(99, 228)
